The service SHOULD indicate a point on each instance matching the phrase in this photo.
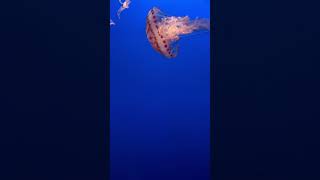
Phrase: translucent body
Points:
(172, 27)
(124, 5)
(164, 31)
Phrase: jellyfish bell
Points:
(163, 32)
(156, 39)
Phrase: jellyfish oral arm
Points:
(119, 12)
(163, 31)
(174, 27)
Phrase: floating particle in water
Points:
(112, 23)
(163, 31)
(124, 5)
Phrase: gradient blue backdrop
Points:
(160, 108)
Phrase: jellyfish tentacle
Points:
(119, 12)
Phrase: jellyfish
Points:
(163, 32)
(124, 5)
(112, 23)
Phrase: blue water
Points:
(160, 116)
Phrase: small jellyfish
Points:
(124, 5)
(112, 23)
(164, 31)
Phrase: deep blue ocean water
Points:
(160, 108)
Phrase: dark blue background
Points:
(266, 56)
(53, 90)
(265, 77)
